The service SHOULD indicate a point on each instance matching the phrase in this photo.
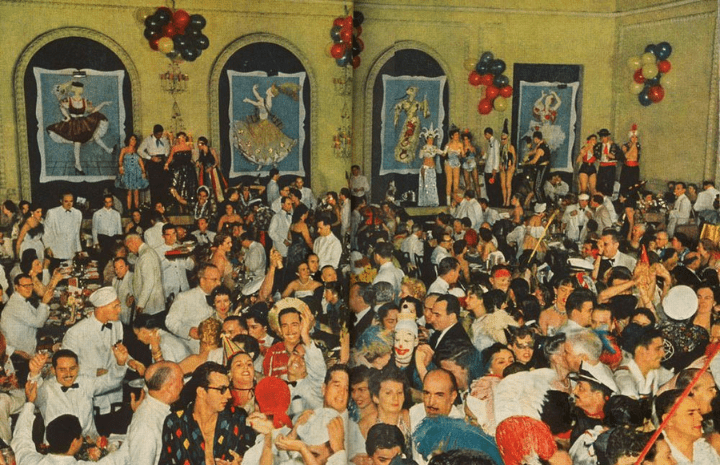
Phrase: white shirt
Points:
(154, 236)
(278, 230)
(174, 272)
(307, 393)
(703, 453)
(172, 347)
(255, 261)
(123, 288)
(492, 163)
(553, 191)
(143, 442)
(272, 191)
(107, 222)
(62, 232)
(491, 216)
(150, 147)
(413, 245)
(328, 249)
(93, 347)
(345, 218)
(470, 208)
(53, 402)
(389, 273)
(439, 286)
(705, 199)
(359, 185)
(438, 254)
(186, 312)
(574, 222)
(204, 238)
(631, 382)
(682, 208)
(20, 322)
(308, 198)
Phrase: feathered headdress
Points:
(505, 130)
(429, 132)
(633, 131)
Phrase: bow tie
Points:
(292, 383)
(66, 388)
(107, 325)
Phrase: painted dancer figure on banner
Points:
(410, 133)
(427, 185)
(545, 113)
(259, 137)
(82, 122)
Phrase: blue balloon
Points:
(663, 50)
(197, 21)
(501, 81)
(643, 97)
(650, 48)
(486, 57)
(335, 34)
(344, 60)
(497, 67)
(202, 42)
(190, 53)
(481, 68)
(654, 81)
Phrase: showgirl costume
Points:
(542, 166)
(506, 158)
(587, 164)
(469, 163)
(132, 179)
(630, 174)
(453, 158)
(427, 181)
(79, 128)
(184, 179)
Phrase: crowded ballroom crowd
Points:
(541, 318)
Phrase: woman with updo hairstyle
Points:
(222, 245)
(210, 346)
(221, 300)
(494, 359)
(413, 287)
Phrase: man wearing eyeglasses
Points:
(207, 429)
(23, 316)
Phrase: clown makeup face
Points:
(405, 343)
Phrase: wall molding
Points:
(216, 75)
(23, 158)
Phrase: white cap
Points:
(583, 197)
(315, 432)
(407, 325)
(680, 303)
(540, 207)
(103, 296)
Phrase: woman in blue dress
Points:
(132, 172)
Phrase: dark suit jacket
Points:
(454, 336)
(358, 328)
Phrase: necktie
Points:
(606, 151)
(107, 325)
(158, 143)
(66, 388)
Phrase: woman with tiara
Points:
(427, 192)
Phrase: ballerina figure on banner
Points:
(259, 137)
(410, 133)
(545, 113)
(82, 122)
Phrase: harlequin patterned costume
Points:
(183, 442)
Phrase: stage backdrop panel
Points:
(56, 142)
(409, 104)
(266, 119)
(549, 107)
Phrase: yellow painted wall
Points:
(599, 35)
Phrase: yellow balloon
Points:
(165, 45)
(142, 13)
(500, 104)
(648, 58)
(667, 82)
(469, 64)
(327, 49)
(636, 87)
(649, 70)
(634, 63)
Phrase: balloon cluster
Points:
(650, 78)
(488, 72)
(176, 34)
(347, 44)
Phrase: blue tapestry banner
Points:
(410, 103)
(267, 117)
(81, 123)
(549, 107)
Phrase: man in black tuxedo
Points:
(446, 322)
(362, 299)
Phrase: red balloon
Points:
(491, 92)
(154, 42)
(164, 8)
(338, 22)
(181, 19)
(486, 79)
(638, 76)
(474, 79)
(348, 22)
(337, 50)
(656, 93)
(360, 43)
(356, 61)
(346, 35)
(506, 91)
(664, 66)
(485, 106)
(169, 30)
